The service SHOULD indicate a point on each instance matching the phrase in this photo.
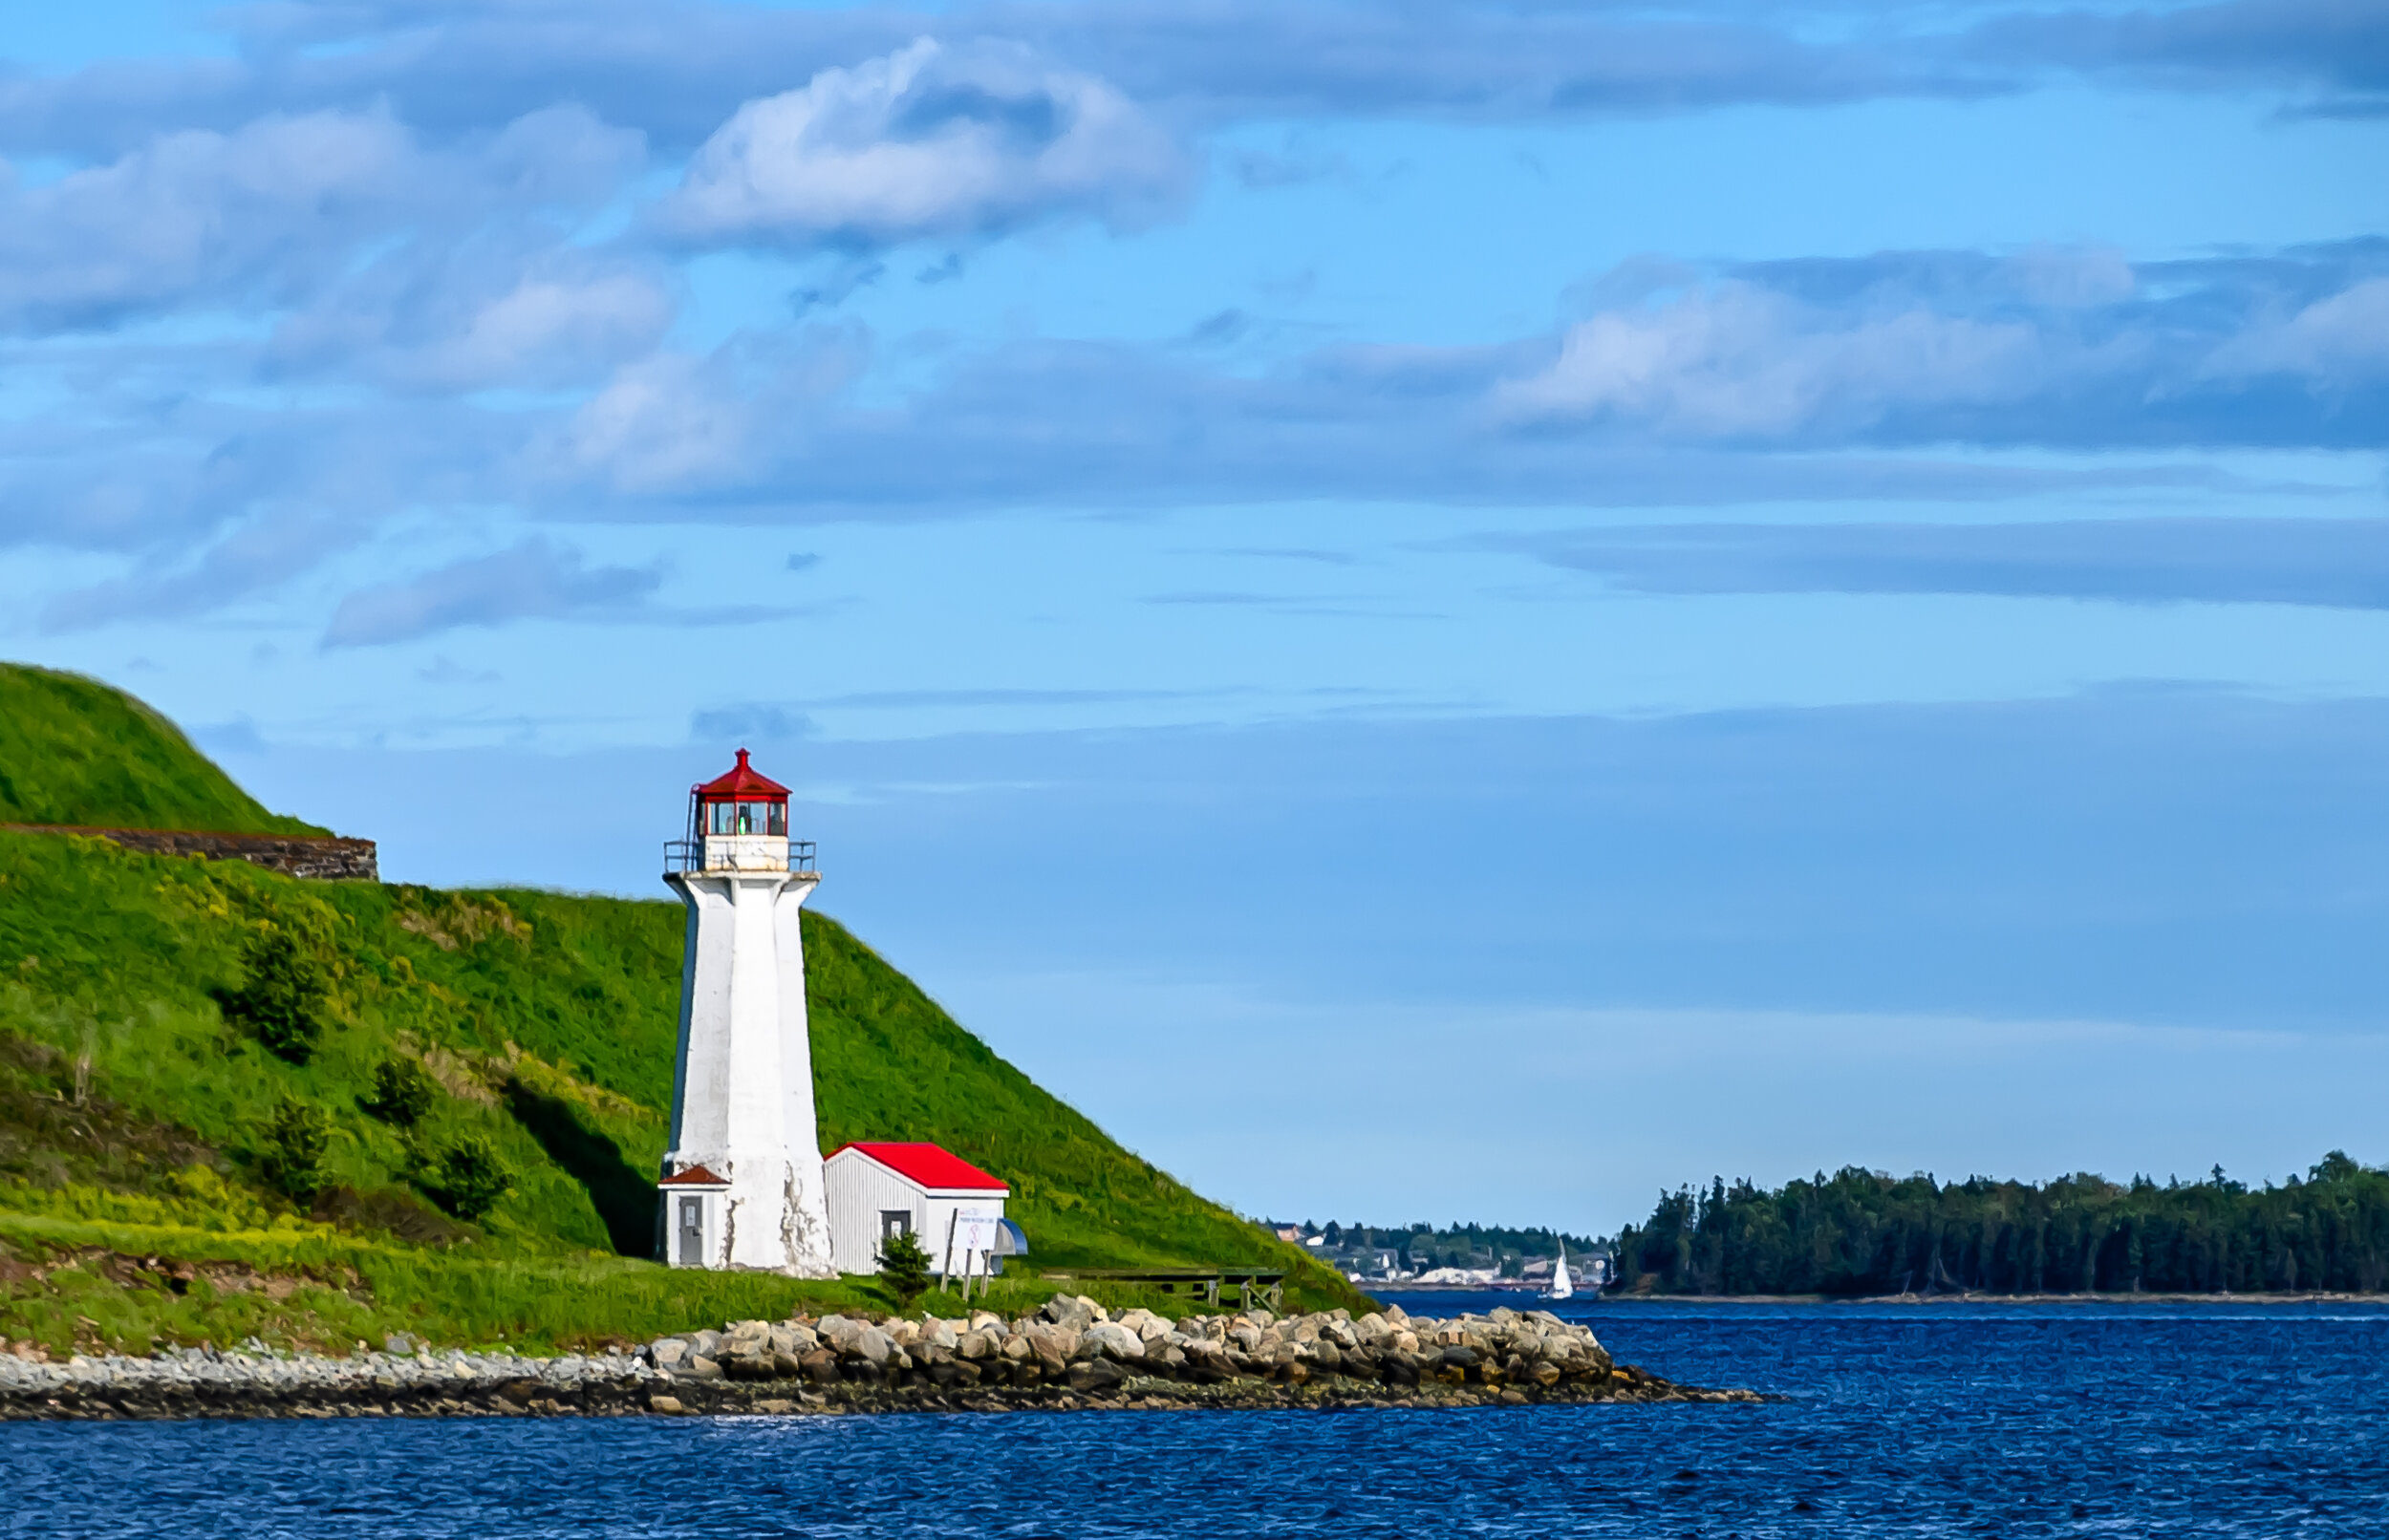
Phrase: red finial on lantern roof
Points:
(743, 783)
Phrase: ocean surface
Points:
(2110, 1420)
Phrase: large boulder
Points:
(1111, 1340)
(759, 1363)
(1145, 1324)
(1053, 1345)
(1072, 1311)
(1095, 1376)
(839, 1331)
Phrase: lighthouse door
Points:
(692, 1233)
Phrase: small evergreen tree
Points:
(296, 1137)
(468, 1178)
(404, 1091)
(280, 998)
(903, 1266)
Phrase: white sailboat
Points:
(1563, 1287)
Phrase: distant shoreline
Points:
(1974, 1298)
(1966, 1297)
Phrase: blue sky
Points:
(1431, 609)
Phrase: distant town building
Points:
(1458, 1277)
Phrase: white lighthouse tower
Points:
(741, 1181)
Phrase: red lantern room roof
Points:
(743, 783)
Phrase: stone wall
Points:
(326, 857)
(1069, 1356)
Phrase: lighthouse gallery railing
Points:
(689, 855)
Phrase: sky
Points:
(1431, 611)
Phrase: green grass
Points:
(77, 1284)
(74, 751)
(131, 1114)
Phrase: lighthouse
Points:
(742, 1184)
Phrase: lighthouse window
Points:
(746, 817)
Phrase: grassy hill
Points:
(74, 751)
(139, 1192)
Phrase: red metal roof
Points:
(744, 781)
(695, 1176)
(929, 1166)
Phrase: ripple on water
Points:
(2044, 1419)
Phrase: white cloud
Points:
(928, 141)
(276, 212)
(2339, 339)
(532, 579)
(197, 210)
(1734, 360)
(475, 316)
(661, 423)
(677, 423)
(255, 556)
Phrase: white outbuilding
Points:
(954, 1208)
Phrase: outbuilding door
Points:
(692, 1228)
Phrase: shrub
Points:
(468, 1177)
(280, 998)
(296, 1137)
(404, 1091)
(903, 1266)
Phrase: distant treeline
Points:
(1862, 1232)
(1456, 1244)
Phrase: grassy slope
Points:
(74, 751)
(550, 1019)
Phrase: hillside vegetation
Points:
(74, 751)
(154, 1117)
(1862, 1232)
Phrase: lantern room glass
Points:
(747, 818)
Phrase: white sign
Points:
(973, 1233)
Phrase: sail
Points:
(1563, 1287)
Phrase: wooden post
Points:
(945, 1272)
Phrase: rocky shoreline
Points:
(1070, 1355)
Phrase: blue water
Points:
(2106, 1421)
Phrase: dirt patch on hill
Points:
(54, 1130)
